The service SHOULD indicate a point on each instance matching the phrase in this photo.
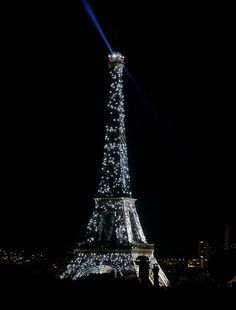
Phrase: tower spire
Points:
(115, 179)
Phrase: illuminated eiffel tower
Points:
(114, 236)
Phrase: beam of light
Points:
(96, 23)
(150, 106)
(183, 152)
(145, 99)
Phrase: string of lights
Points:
(114, 236)
(115, 179)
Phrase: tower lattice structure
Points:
(114, 236)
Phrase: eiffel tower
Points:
(114, 236)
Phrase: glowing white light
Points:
(114, 219)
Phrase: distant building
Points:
(204, 251)
(178, 264)
(174, 263)
(194, 263)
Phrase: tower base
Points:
(116, 259)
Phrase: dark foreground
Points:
(45, 293)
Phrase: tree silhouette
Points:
(222, 266)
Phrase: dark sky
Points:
(54, 93)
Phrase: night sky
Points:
(53, 100)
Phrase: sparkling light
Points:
(114, 236)
(115, 220)
(115, 179)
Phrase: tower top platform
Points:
(116, 58)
